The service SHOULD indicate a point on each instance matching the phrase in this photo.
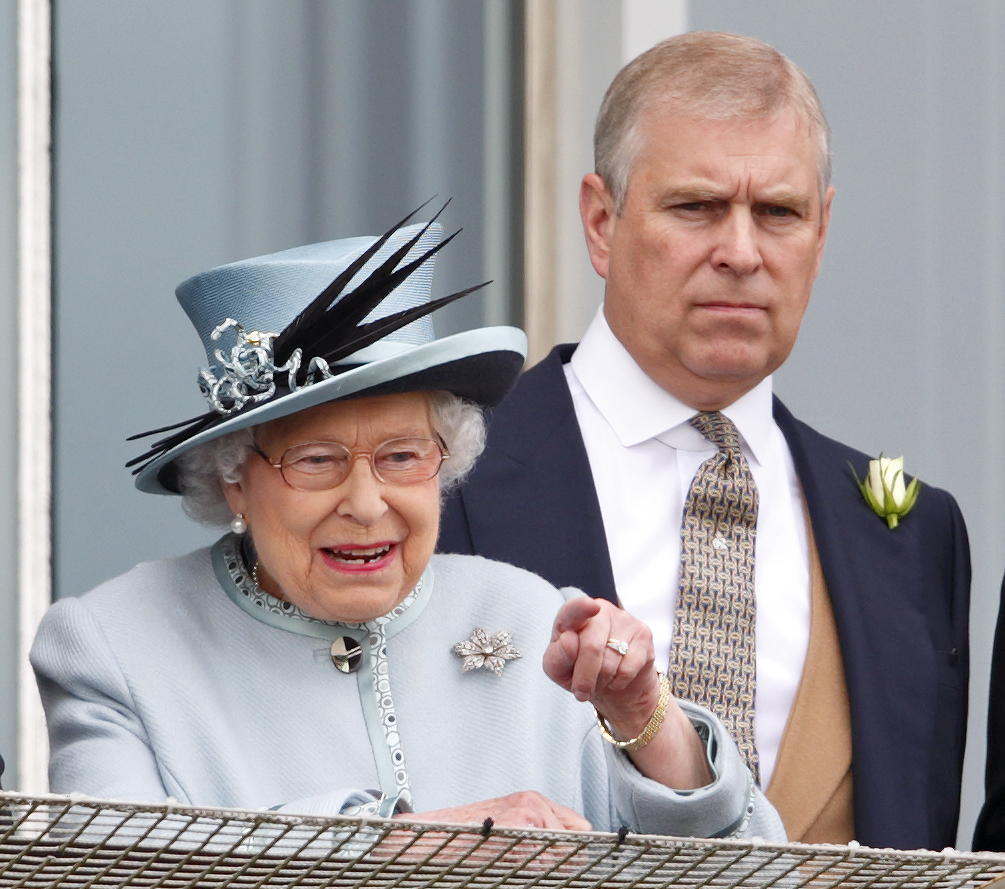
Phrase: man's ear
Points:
(596, 207)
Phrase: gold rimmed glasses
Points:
(322, 465)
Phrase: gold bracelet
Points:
(653, 726)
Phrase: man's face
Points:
(710, 265)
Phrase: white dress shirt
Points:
(644, 454)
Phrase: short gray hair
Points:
(705, 74)
(201, 471)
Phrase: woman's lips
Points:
(359, 558)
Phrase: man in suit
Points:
(707, 217)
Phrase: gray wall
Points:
(8, 392)
(901, 349)
(194, 133)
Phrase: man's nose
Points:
(361, 494)
(736, 250)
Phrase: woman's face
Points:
(353, 552)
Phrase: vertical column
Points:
(540, 162)
(573, 50)
(34, 99)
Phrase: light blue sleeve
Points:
(731, 806)
(98, 745)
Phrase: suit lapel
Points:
(888, 659)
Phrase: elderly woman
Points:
(319, 658)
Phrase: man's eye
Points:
(777, 212)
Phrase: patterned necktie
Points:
(712, 655)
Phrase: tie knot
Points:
(719, 430)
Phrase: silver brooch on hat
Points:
(249, 371)
(485, 651)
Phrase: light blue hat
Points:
(341, 319)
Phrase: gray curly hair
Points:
(460, 423)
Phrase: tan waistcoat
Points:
(811, 786)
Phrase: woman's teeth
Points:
(361, 556)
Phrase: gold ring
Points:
(618, 646)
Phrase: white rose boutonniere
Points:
(884, 489)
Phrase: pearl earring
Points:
(238, 525)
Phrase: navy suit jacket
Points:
(990, 831)
(901, 598)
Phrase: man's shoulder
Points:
(799, 434)
(530, 499)
(538, 391)
(827, 468)
(536, 417)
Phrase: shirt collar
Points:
(607, 372)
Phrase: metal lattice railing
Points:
(79, 842)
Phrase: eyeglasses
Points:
(322, 465)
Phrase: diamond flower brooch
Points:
(485, 651)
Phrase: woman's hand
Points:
(624, 688)
(526, 809)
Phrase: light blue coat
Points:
(173, 681)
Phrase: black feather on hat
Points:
(271, 375)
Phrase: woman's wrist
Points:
(649, 730)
